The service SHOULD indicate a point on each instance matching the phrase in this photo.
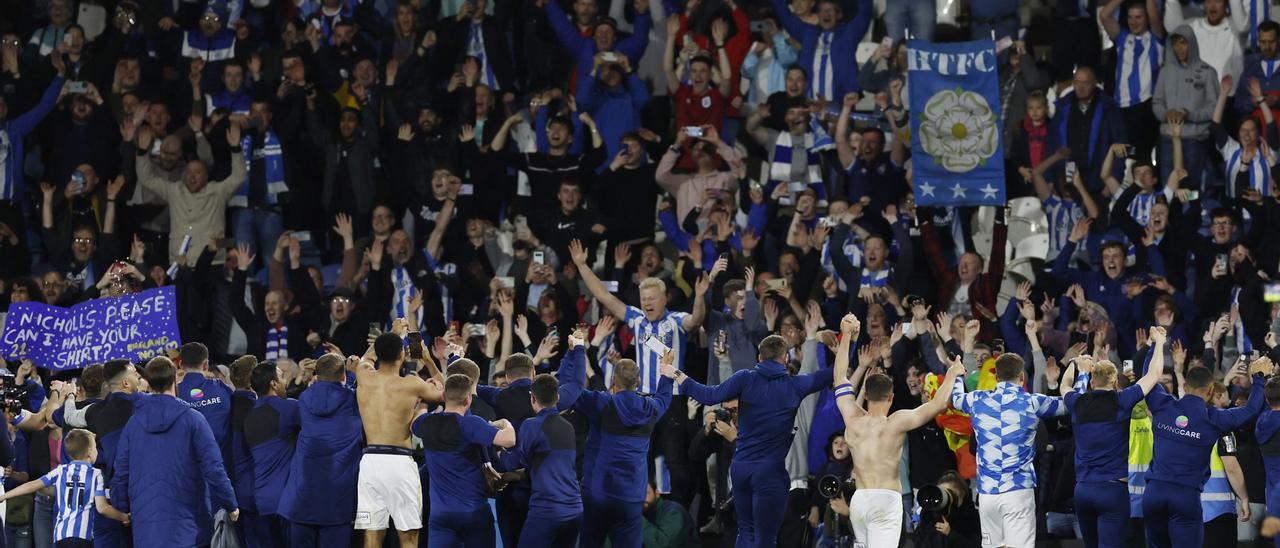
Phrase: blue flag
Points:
(956, 150)
(135, 327)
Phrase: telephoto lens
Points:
(933, 498)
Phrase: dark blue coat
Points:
(1186, 429)
(546, 446)
(321, 489)
(241, 459)
(169, 474)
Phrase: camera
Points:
(832, 486)
(933, 498)
(724, 415)
(12, 395)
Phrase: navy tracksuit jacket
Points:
(321, 487)
(512, 403)
(106, 419)
(271, 430)
(546, 446)
(241, 468)
(767, 400)
(1101, 422)
(615, 466)
(1185, 431)
(1269, 443)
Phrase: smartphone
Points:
(539, 258)
(553, 333)
(829, 222)
(886, 42)
(375, 328)
(693, 131)
(1003, 44)
(759, 25)
(453, 326)
(1130, 151)
(687, 41)
(1193, 195)
(466, 189)
(1070, 171)
(316, 23)
(776, 284)
(77, 181)
(1221, 261)
(476, 330)
(1128, 366)
(302, 236)
(415, 345)
(1271, 293)
(796, 186)
(610, 285)
(907, 327)
(226, 243)
(654, 345)
(507, 282)
(76, 86)
(609, 57)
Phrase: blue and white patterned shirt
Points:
(669, 330)
(78, 484)
(1004, 423)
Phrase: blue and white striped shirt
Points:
(77, 483)
(1061, 215)
(1138, 60)
(1004, 424)
(669, 330)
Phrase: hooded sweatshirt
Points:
(614, 466)
(326, 459)
(169, 474)
(1269, 444)
(1192, 85)
(1186, 429)
(1219, 47)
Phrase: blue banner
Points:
(135, 327)
(956, 151)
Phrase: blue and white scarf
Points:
(273, 164)
(219, 47)
(1259, 167)
(402, 284)
(879, 278)
(277, 342)
(1243, 344)
(443, 272)
(816, 141)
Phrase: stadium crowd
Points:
(546, 273)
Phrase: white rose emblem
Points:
(958, 130)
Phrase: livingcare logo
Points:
(1179, 427)
(197, 393)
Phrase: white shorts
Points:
(389, 487)
(877, 516)
(1008, 519)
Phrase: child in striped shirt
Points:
(80, 490)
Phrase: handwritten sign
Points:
(136, 327)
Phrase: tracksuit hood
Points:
(158, 414)
(771, 369)
(326, 399)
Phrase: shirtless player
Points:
(389, 485)
(875, 437)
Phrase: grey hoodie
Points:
(1192, 86)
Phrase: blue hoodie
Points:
(321, 489)
(614, 466)
(271, 430)
(177, 472)
(1269, 444)
(767, 400)
(1186, 430)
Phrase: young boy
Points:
(79, 487)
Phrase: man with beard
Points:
(107, 419)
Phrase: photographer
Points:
(948, 517)
(716, 437)
(834, 486)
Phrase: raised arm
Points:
(1107, 16)
(844, 149)
(1155, 365)
(843, 386)
(694, 320)
(669, 54)
(593, 283)
(910, 419)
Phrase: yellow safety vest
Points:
(1141, 443)
(1217, 498)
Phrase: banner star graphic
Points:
(989, 191)
(926, 189)
(957, 191)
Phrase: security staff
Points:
(768, 397)
(1185, 431)
(620, 422)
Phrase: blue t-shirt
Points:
(453, 446)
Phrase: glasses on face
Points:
(10, 42)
